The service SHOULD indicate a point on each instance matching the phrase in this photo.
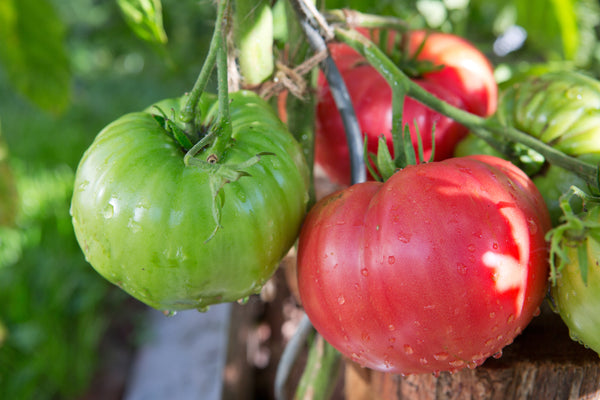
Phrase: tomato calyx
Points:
(573, 233)
(219, 175)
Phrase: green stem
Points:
(356, 18)
(484, 128)
(253, 27)
(188, 112)
(321, 372)
(223, 125)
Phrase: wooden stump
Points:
(543, 363)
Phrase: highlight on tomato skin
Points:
(436, 269)
(458, 73)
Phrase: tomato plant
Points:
(465, 81)
(180, 235)
(436, 269)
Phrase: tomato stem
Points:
(355, 18)
(482, 127)
(189, 113)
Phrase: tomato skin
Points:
(436, 269)
(577, 302)
(142, 217)
(466, 82)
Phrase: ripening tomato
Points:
(436, 269)
(466, 82)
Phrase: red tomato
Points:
(434, 270)
(467, 72)
(372, 100)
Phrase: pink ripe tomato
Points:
(436, 269)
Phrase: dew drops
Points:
(492, 315)
(391, 260)
(408, 350)
(423, 361)
(510, 319)
(497, 355)
(533, 228)
(456, 363)
(471, 248)
(243, 300)
(109, 211)
(203, 309)
(461, 268)
(537, 312)
(391, 327)
(169, 313)
(341, 300)
(404, 238)
(472, 364)
(441, 356)
(495, 246)
(364, 272)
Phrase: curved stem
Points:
(189, 111)
(290, 355)
(482, 127)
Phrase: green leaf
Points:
(33, 52)
(144, 17)
(551, 26)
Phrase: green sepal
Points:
(385, 163)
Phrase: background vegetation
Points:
(68, 67)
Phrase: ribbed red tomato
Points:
(436, 269)
(466, 81)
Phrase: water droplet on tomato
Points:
(243, 300)
(461, 268)
(408, 350)
(497, 355)
(391, 327)
(391, 260)
(436, 374)
(533, 228)
(109, 211)
(537, 312)
(341, 300)
(510, 319)
(364, 272)
(472, 365)
(365, 337)
(492, 315)
(456, 363)
(495, 246)
(441, 356)
(423, 361)
(471, 248)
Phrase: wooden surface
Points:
(543, 363)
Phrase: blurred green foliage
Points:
(69, 67)
(55, 308)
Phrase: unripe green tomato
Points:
(577, 302)
(165, 232)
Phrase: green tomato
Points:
(179, 236)
(561, 108)
(578, 301)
